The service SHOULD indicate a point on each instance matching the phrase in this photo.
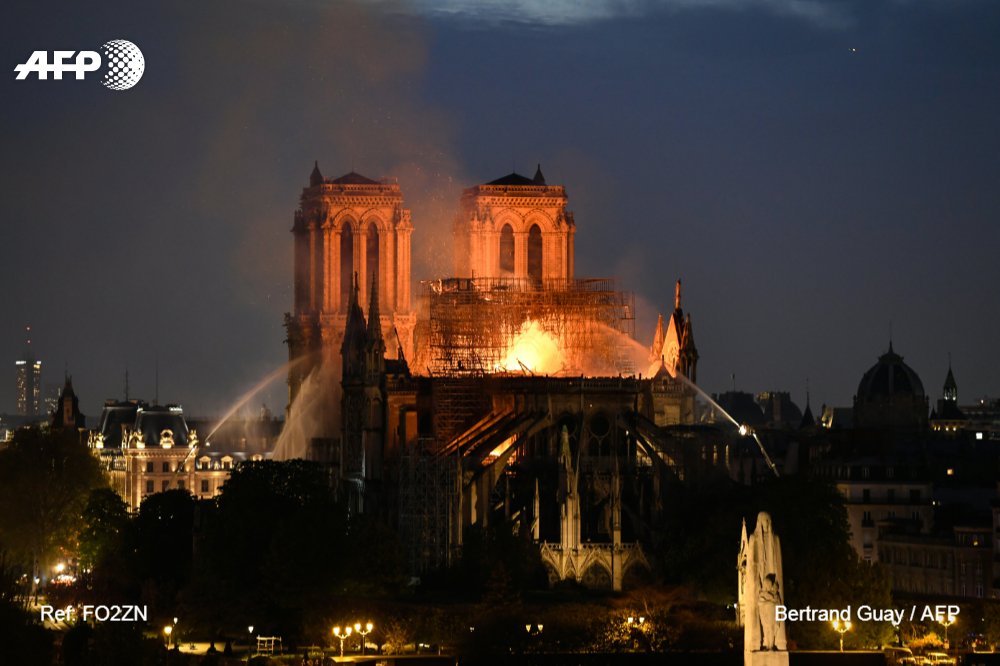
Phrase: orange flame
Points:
(533, 348)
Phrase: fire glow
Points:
(534, 350)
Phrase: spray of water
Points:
(257, 388)
(639, 355)
(315, 412)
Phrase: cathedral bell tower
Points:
(517, 227)
(347, 226)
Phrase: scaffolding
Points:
(426, 501)
(470, 323)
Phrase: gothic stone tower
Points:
(344, 227)
(515, 227)
(363, 382)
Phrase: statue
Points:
(760, 592)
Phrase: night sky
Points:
(816, 172)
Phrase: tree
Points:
(45, 479)
(160, 545)
(273, 546)
(23, 639)
(105, 519)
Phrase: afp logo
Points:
(123, 64)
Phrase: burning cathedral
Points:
(512, 393)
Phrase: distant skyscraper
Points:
(29, 381)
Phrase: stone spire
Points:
(808, 421)
(374, 316)
(950, 387)
(677, 296)
(374, 342)
(688, 354)
(539, 179)
(355, 336)
(656, 350)
(315, 178)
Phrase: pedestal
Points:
(765, 658)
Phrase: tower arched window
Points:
(346, 265)
(535, 253)
(372, 256)
(507, 249)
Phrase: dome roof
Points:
(889, 377)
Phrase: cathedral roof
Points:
(889, 377)
(354, 178)
(514, 178)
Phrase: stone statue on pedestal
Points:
(761, 590)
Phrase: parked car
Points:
(899, 656)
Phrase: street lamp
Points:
(249, 642)
(841, 628)
(635, 623)
(946, 621)
(364, 632)
(167, 630)
(343, 635)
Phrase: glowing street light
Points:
(841, 628)
(364, 632)
(343, 635)
(167, 630)
(946, 621)
(634, 623)
(249, 642)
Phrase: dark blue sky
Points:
(812, 169)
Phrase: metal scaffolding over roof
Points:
(468, 324)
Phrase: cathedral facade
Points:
(348, 230)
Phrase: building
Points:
(883, 496)
(959, 564)
(67, 412)
(521, 402)
(348, 230)
(146, 449)
(890, 396)
(28, 381)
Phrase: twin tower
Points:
(355, 228)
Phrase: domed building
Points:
(891, 396)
